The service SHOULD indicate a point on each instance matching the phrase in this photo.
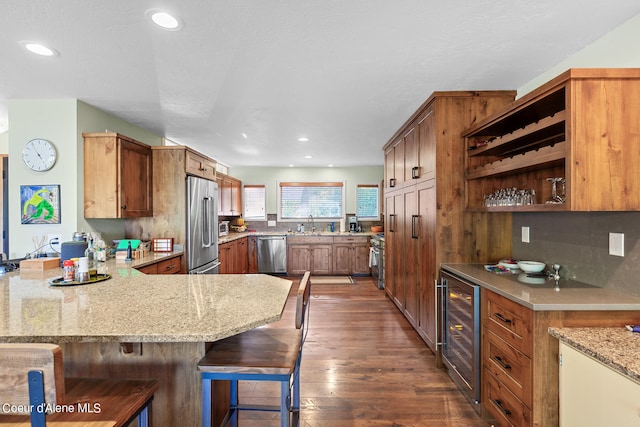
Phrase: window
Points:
(254, 202)
(323, 200)
(368, 201)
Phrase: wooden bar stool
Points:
(262, 354)
(34, 392)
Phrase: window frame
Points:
(245, 199)
(369, 218)
(341, 184)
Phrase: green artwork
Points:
(40, 204)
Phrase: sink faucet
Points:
(312, 226)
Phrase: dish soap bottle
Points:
(90, 253)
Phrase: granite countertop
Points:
(134, 307)
(616, 348)
(541, 294)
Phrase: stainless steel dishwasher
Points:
(272, 254)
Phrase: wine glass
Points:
(555, 198)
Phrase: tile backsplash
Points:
(579, 242)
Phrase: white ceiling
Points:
(346, 74)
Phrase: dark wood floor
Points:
(363, 365)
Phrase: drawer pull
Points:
(501, 318)
(498, 403)
(170, 267)
(502, 362)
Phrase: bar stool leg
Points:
(285, 403)
(206, 402)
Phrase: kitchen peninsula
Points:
(137, 325)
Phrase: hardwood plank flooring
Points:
(363, 365)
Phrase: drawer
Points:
(510, 321)
(351, 239)
(169, 266)
(508, 365)
(148, 269)
(505, 407)
(310, 239)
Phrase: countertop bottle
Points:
(129, 253)
(90, 253)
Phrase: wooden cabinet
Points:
(171, 265)
(118, 177)
(520, 359)
(199, 165)
(252, 254)
(575, 127)
(229, 195)
(309, 253)
(171, 166)
(233, 257)
(592, 394)
(425, 219)
(351, 255)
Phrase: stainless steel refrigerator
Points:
(202, 226)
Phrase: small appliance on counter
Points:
(73, 249)
(353, 224)
(223, 228)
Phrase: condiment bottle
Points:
(129, 254)
(69, 270)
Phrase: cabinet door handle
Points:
(392, 227)
(498, 403)
(123, 207)
(414, 228)
(501, 318)
(415, 172)
(392, 182)
(501, 362)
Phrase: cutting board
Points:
(39, 264)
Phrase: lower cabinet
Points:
(520, 373)
(233, 257)
(325, 255)
(351, 255)
(314, 255)
(592, 394)
(252, 254)
(166, 266)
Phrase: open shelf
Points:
(528, 160)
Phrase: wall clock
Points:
(39, 155)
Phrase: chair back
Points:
(17, 360)
(302, 304)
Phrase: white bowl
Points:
(531, 266)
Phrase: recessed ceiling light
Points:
(330, 166)
(290, 166)
(303, 139)
(164, 19)
(307, 157)
(38, 49)
(244, 135)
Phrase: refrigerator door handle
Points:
(206, 222)
(213, 267)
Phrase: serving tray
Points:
(58, 281)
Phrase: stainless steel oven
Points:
(461, 334)
(376, 260)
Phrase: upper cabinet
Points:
(579, 130)
(199, 165)
(229, 195)
(118, 177)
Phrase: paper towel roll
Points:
(342, 227)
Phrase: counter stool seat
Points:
(261, 354)
(32, 378)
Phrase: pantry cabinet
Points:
(425, 219)
(580, 127)
(118, 177)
